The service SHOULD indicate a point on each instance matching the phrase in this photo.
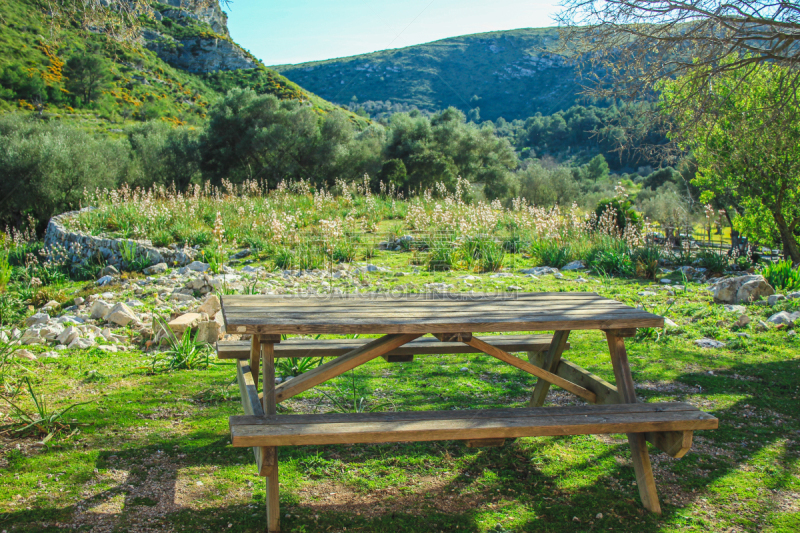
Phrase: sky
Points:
(297, 31)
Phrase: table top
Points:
(386, 313)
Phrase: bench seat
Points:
(423, 345)
(289, 430)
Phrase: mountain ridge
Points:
(509, 73)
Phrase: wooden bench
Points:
(451, 319)
(298, 348)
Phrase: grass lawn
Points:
(151, 452)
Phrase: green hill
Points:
(507, 74)
(167, 61)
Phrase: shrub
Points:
(782, 275)
(551, 253)
(623, 212)
(715, 261)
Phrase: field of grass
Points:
(150, 452)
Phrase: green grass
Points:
(153, 450)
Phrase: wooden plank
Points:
(639, 454)
(485, 443)
(340, 365)
(531, 369)
(550, 363)
(674, 443)
(255, 356)
(343, 326)
(358, 431)
(252, 407)
(420, 346)
(475, 414)
(334, 315)
(268, 385)
(461, 307)
(394, 298)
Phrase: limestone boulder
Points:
(184, 322)
(211, 306)
(160, 268)
(741, 289)
(99, 309)
(121, 315)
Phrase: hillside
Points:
(507, 74)
(168, 62)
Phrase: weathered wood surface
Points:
(411, 313)
(420, 346)
(252, 407)
(465, 425)
(640, 457)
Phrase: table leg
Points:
(551, 360)
(273, 499)
(639, 454)
(270, 409)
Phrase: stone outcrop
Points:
(81, 247)
(741, 289)
(210, 51)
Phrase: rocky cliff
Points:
(193, 35)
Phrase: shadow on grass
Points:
(511, 481)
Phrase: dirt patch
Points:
(417, 498)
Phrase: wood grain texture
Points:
(639, 454)
(442, 425)
(531, 369)
(550, 363)
(420, 346)
(268, 385)
(252, 406)
(397, 314)
(273, 502)
(485, 443)
(331, 369)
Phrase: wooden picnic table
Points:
(401, 319)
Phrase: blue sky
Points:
(296, 31)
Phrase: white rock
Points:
(107, 348)
(468, 277)
(670, 323)
(52, 304)
(741, 289)
(81, 344)
(197, 266)
(50, 355)
(646, 293)
(558, 275)
(79, 301)
(709, 343)
(742, 321)
(159, 268)
(25, 354)
(575, 265)
(183, 322)
(502, 275)
(68, 335)
(774, 299)
(31, 336)
(51, 332)
(539, 271)
(208, 331)
(99, 309)
(794, 295)
(513, 288)
(121, 315)
(735, 308)
(180, 297)
(784, 317)
(38, 318)
(665, 281)
(210, 306)
(105, 280)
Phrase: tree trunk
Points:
(787, 238)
